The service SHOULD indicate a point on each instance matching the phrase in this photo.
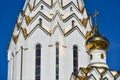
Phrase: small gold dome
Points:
(97, 41)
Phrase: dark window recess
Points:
(102, 56)
(38, 62)
(91, 56)
(71, 9)
(37, 71)
(37, 77)
(41, 7)
(57, 61)
(75, 59)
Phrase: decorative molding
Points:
(82, 8)
(18, 24)
(31, 7)
(84, 21)
(15, 38)
(25, 48)
(27, 18)
(42, 2)
(73, 29)
(24, 30)
(64, 46)
(69, 4)
(40, 27)
(50, 45)
(42, 15)
(88, 34)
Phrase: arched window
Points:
(38, 62)
(21, 73)
(40, 22)
(75, 58)
(71, 9)
(91, 56)
(13, 64)
(41, 7)
(57, 61)
(102, 56)
(73, 23)
(105, 78)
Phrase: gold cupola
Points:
(97, 41)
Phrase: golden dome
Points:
(97, 41)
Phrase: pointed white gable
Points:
(65, 2)
(48, 1)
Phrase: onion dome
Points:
(97, 41)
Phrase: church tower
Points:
(48, 40)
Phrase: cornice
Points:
(82, 22)
(36, 27)
(41, 2)
(72, 4)
(42, 15)
(71, 16)
(72, 30)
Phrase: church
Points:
(56, 40)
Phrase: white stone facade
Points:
(47, 22)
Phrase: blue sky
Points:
(108, 21)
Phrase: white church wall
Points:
(41, 34)
(11, 52)
(43, 39)
(73, 39)
(58, 36)
(20, 44)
